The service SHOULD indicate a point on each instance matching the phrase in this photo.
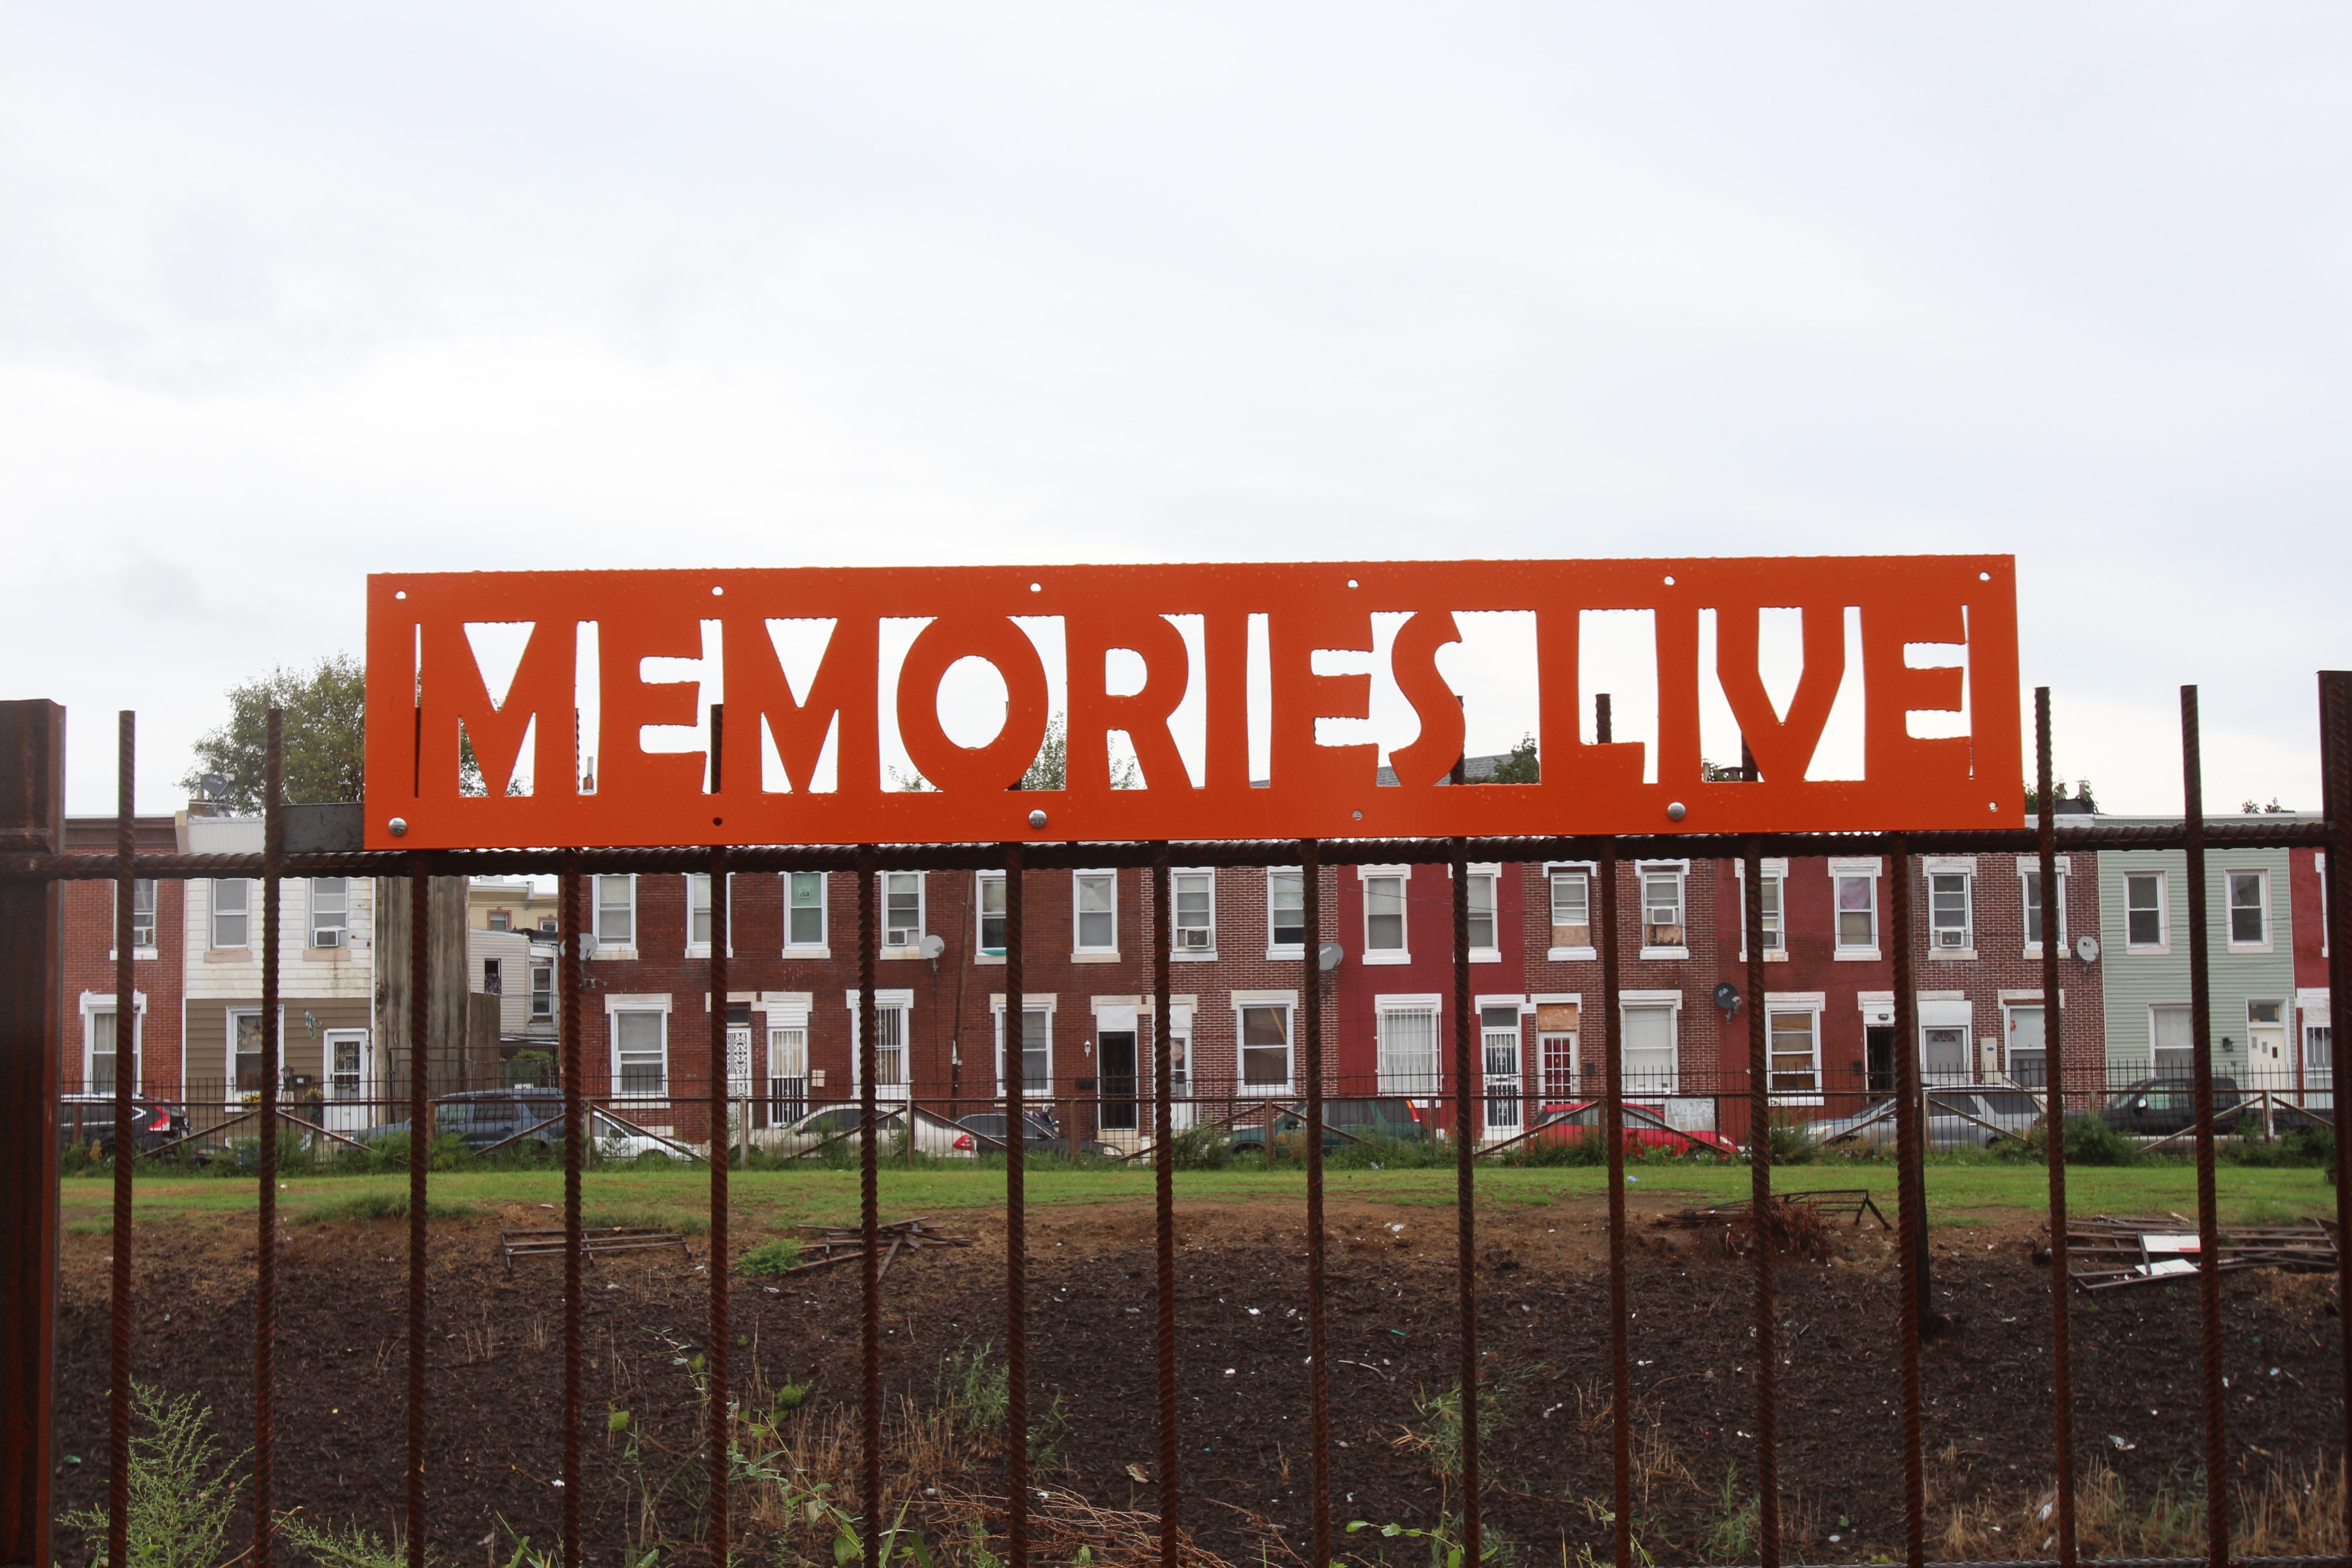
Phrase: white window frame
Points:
(228, 1048)
(2028, 867)
(2011, 1004)
(94, 1003)
(616, 1004)
(1865, 866)
(1177, 952)
(1671, 1003)
(2163, 943)
(2319, 868)
(1392, 1076)
(922, 913)
(898, 1001)
(607, 947)
(213, 912)
(1490, 873)
(537, 967)
(1279, 950)
(1680, 870)
(702, 949)
(1081, 951)
(139, 949)
(2230, 873)
(1948, 1010)
(1773, 869)
(342, 926)
(1030, 1002)
(2187, 1012)
(1241, 1001)
(1589, 870)
(1963, 867)
(822, 946)
(1791, 1004)
(1365, 877)
(980, 881)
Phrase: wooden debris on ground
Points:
(593, 1244)
(841, 1244)
(2107, 1252)
(1793, 1221)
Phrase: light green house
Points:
(2144, 963)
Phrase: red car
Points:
(1646, 1127)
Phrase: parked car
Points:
(1646, 1127)
(523, 1116)
(87, 1119)
(1960, 1116)
(982, 1132)
(2156, 1106)
(1344, 1122)
(839, 1124)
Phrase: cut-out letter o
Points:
(1003, 762)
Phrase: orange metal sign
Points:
(802, 759)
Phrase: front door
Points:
(1878, 1049)
(2269, 1065)
(1115, 1063)
(1944, 1054)
(347, 1107)
(1498, 1030)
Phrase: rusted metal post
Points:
(126, 1039)
(420, 1165)
(571, 886)
(1760, 1189)
(1163, 1172)
(1016, 1240)
(32, 818)
(719, 1156)
(2209, 1224)
(1613, 1123)
(1465, 1207)
(2054, 1055)
(1319, 1378)
(1911, 1189)
(2336, 802)
(869, 1211)
(265, 1324)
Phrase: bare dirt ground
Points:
(497, 1369)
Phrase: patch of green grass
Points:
(776, 1257)
(686, 1221)
(359, 1208)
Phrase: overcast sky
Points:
(292, 294)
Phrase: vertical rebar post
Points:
(2054, 1055)
(2335, 804)
(126, 1039)
(1163, 1172)
(720, 1155)
(265, 1325)
(1759, 1188)
(420, 1164)
(1466, 1208)
(571, 888)
(869, 1208)
(1319, 1378)
(2209, 1225)
(1612, 1123)
(1911, 1194)
(1013, 1065)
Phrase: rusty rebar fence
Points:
(31, 868)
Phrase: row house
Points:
(91, 1034)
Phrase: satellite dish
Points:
(1726, 996)
(587, 944)
(2087, 950)
(1328, 956)
(933, 945)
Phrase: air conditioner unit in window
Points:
(1949, 937)
(333, 938)
(899, 936)
(1194, 936)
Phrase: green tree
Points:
(1520, 766)
(1052, 768)
(325, 735)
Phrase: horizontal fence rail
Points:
(572, 1115)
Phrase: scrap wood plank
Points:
(2109, 1252)
(836, 1244)
(514, 1244)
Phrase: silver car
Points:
(1960, 1116)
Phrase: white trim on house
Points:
(1403, 952)
(1874, 867)
(1082, 950)
(96, 1002)
(1773, 869)
(617, 1002)
(1177, 952)
(1680, 872)
(1589, 871)
(822, 946)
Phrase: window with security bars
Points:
(1662, 909)
(2144, 924)
(787, 1072)
(1286, 909)
(1857, 913)
(616, 912)
(232, 913)
(2319, 1047)
(143, 912)
(1097, 911)
(1384, 915)
(1194, 924)
(1558, 1065)
(889, 1046)
(1571, 909)
(641, 1052)
(2250, 908)
(1947, 911)
(1795, 1043)
(331, 910)
(1408, 1051)
(804, 908)
(902, 909)
(2032, 883)
(1266, 1046)
(992, 914)
(1498, 1042)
